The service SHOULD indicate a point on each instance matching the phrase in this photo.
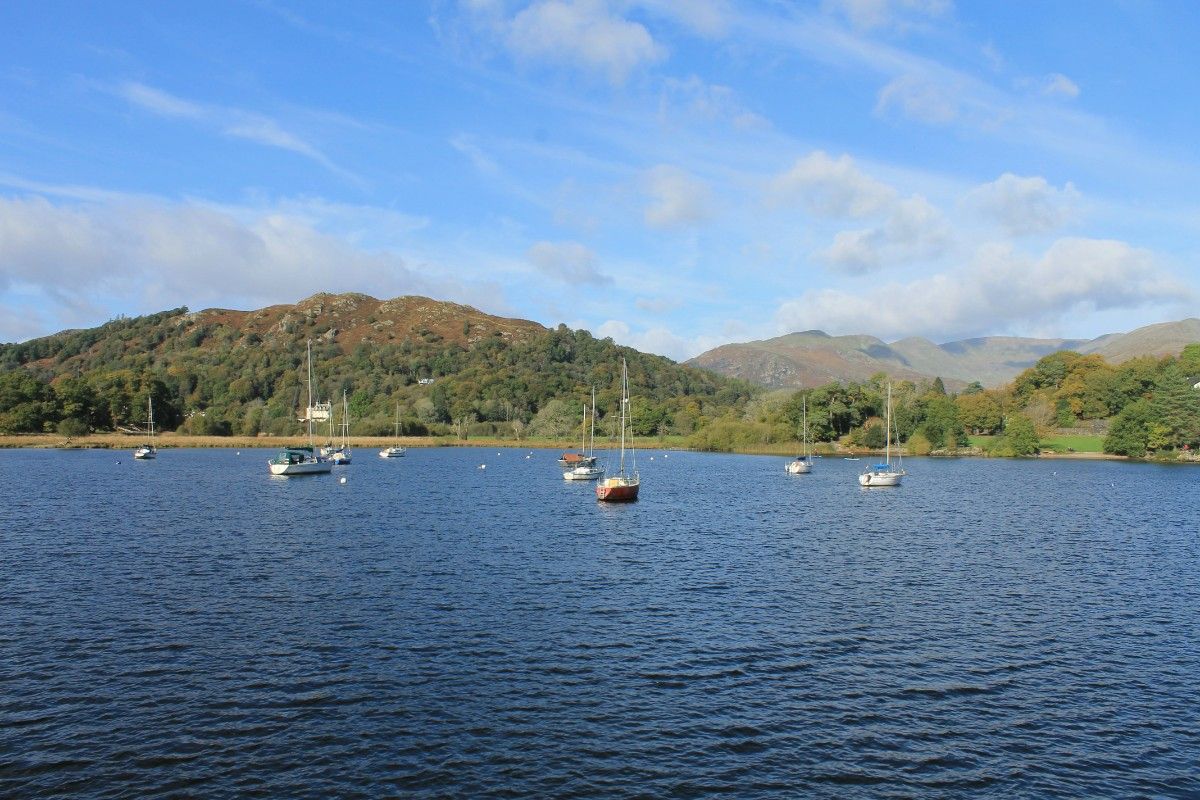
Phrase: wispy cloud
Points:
(232, 122)
(1059, 85)
(871, 14)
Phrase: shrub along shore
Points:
(168, 441)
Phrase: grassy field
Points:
(1074, 444)
(1058, 444)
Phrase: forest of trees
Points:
(212, 379)
(215, 380)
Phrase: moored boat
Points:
(587, 472)
(341, 455)
(395, 451)
(622, 487)
(802, 464)
(887, 473)
(302, 459)
(148, 450)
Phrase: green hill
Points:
(445, 366)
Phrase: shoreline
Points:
(171, 441)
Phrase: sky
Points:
(674, 174)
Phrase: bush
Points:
(73, 426)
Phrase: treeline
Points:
(1149, 403)
(209, 378)
(215, 379)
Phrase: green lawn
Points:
(1080, 444)
(1061, 444)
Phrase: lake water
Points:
(193, 627)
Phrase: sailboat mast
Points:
(592, 441)
(887, 446)
(308, 412)
(624, 401)
(804, 410)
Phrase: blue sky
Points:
(675, 174)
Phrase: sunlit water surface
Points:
(193, 627)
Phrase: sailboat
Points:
(582, 458)
(395, 451)
(622, 487)
(302, 460)
(148, 450)
(587, 472)
(342, 454)
(885, 474)
(802, 465)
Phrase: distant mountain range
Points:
(813, 358)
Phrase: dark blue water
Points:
(193, 627)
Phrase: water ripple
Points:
(999, 629)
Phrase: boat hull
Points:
(874, 478)
(616, 490)
(340, 457)
(302, 468)
(798, 467)
(145, 453)
(392, 452)
(583, 474)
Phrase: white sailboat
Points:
(887, 473)
(587, 471)
(342, 454)
(302, 460)
(802, 465)
(148, 450)
(395, 451)
(624, 486)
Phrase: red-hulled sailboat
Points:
(622, 487)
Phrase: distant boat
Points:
(582, 458)
(587, 472)
(342, 454)
(622, 487)
(302, 460)
(395, 451)
(885, 474)
(802, 465)
(148, 450)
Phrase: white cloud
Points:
(584, 34)
(158, 254)
(921, 99)
(914, 230)
(1001, 290)
(1024, 205)
(656, 339)
(677, 198)
(569, 262)
(831, 187)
